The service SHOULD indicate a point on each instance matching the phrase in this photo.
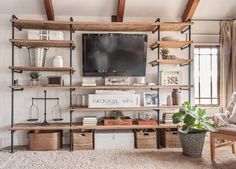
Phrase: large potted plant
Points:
(195, 125)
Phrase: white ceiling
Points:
(213, 9)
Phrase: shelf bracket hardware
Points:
(17, 90)
(183, 89)
(18, 71)
(19, 46)
(158, 27)
(186, 64)
(16, 26)
(72, 20)
(185, 47)
(185, 30)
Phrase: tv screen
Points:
(114, 54)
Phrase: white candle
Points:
(83, 102)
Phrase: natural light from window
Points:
(206, 75)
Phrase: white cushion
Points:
(231, 105)
(232, 118)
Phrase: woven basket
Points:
(192, 143)
(170, 139)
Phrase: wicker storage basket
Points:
(44, 140)
(170, 139)
(145, 139)
(83, 140)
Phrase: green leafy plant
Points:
(117, 115)
(194, 119)
(164, 51)
(34, 75)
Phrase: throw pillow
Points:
(232, 118)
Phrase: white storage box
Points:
(53, 35)
(114, 139)
(113, 100)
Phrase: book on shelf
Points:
(167, 118)
(89, 120)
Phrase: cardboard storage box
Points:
(146, 139)
(45, 140)
(83, 140)
(114, 139)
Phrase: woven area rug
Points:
(115, 159)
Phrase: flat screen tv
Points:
(114, 54)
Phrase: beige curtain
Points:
(228, 60)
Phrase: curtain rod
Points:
(213, 20)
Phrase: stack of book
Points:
(167, 118)
(89, 120)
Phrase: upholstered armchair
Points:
(226, 123)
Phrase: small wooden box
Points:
(145, 139)
(45, 140)
(83, 140)
(147, 122)
(109, 121)
(170, 139)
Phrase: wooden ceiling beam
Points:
(49, 9)
(189, 10)
(120, 10)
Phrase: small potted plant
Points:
(195, 125)
(34, 78)
(117, 118)
(164, 53)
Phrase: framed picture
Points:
(170, 77)
(150, 98)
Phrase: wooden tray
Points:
(108, 121)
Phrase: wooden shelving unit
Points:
(103, 87)
(43, 43)
(66, 126)
(170, 44)
(72, 26)
(170, 61)
(48, 69)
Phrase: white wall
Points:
(23, 99)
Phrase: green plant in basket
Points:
(195, 125)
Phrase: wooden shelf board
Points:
(100, 26)
(174, 26)
(43, 43)
(66, 126)
(170, 44)
(38, 126)
(42, 24)
(141, 108)
(113, 26)
(176, 61)
(118, 127)
(104, 87)
(30, 68)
